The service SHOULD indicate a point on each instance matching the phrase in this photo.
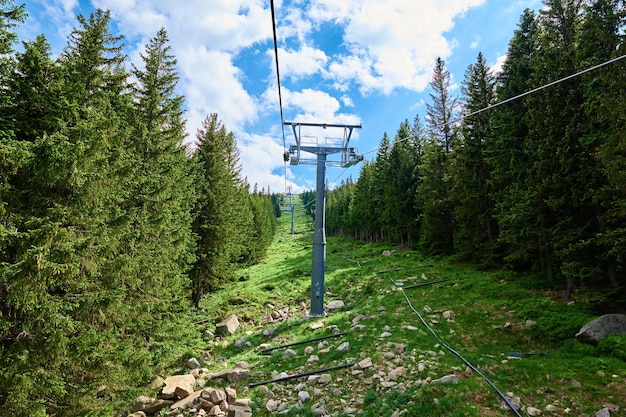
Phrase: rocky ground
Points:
(387, 366)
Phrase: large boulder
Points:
(228, 326)
(608, 324)
(178, 386)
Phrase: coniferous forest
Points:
(536, 184)
(110, 229)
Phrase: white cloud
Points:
(496, 68)
(347, 101)
(475, 42)
(211, 85)
(314, 103)
(262, 163)
(205, 38)
(300, 63)
(391, 43)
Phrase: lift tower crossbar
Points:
(306, 144)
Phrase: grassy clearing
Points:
(495, 313)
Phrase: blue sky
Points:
(363, 62)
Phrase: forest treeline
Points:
(110, 228)
(536, 184)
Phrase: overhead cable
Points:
(508, 100)
(280, 97)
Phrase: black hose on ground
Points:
(302, 375)
(472, 367)
(303, 342)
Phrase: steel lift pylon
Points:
(297, 154)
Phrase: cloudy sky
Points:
(363, 62)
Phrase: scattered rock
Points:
(289, 353)
(344, 347)
(272, 405)
(385, 334)
(324, 379)
(387, 253)
(149, 405)
(532, 411)
(193, 364)
(335, 305)
(238, 373)
(605, 412)
(304, 396)
(447, 379)
(365, 363)
(607, 324)
(228, 326)
(239, 410)
(448, 314)
(317, 325)
(269, 332)
(187, 401)
(178, 384)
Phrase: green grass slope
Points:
(485, 316)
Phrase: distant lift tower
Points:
(310, 144)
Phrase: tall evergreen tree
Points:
(474, 209)
(67, 291)
(436, 217)
(159, 242)
(437, 220)
(505, 154)
(561, 172)
(440, 113)
(602, 38)
(217, 208)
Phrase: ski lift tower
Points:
(308, 144)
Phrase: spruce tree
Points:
(218, 205)
(159, 235)
(506, 155)
(67, 290)
(474, 209)
(440, 112)
(437, 220)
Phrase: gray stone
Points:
(387, 253)
(608, 324)
(187, 401)
(319, 412)
(239, 411)
(269, 332)
(288, 353)
(178, 384)
(344, 347)
(324, 379)
(193, 364)
(150, 405)
(447, 379)
(232, 375)
(303, 396)
(228, 326)
(533, 412)
(365, 363)
(240, 342)
(335, 305)
(605, 412)
(448, 314)
(272, 405)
